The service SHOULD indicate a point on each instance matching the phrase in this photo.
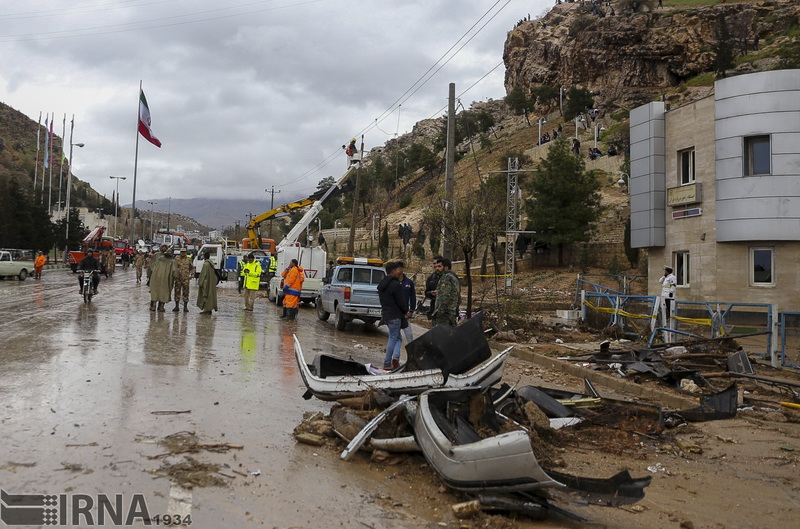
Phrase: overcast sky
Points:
(244, 94)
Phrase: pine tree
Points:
(383, 244)
(565, 201)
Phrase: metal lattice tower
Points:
(512, 192)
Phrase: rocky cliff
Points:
(628, 57)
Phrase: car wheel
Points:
(22, 274)
(340, 320)
(270, 295)
(321, 313)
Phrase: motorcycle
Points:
(87, 284)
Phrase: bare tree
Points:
(469, 222)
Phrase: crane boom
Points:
(252, 226)
(315, 208)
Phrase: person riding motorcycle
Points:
(89, 264)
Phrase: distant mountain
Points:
(211, 212)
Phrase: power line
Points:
(374, 124)
(95, 30)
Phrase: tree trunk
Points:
(560, 254)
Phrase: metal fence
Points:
(632, 316)
(753, 325)
(790, 339)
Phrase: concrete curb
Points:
(620, 385)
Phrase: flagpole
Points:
(69, 187)
(50, 183)
(38, 143)
(135, 169)
(61, 169)
(47, 154)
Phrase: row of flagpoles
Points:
(49, 151)
(143, 128)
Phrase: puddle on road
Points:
(80, 382)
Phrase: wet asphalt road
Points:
(79, 384)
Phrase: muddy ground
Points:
(724, 474)
(735, 473)
(197, 412)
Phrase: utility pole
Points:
(271, 207)
(450, 159)
(511, 221)
(512, 218)
(351, 243)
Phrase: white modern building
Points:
(89, 217)
(715, 190)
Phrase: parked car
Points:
(351, 292)
(16, 263)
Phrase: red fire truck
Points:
(95, 241)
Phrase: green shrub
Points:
(584, 259)
(405, 201)
(704, 79)
(619, 115)
(581, 23)
(614, 267)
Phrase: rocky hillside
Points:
(625, 59)
(629, 58)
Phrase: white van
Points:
(217, 258)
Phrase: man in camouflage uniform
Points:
(447, 295)
(108, 259)
(183, 267)
(138, 264)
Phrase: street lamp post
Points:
(623, 180)
(578, 118)
(541, 120)
(597, 130)
(69, 188)
(116, 202)
(151, 202)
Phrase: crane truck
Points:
(311, 259)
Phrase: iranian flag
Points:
(144, 121)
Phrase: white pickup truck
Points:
(16, 263)
(352, 292)
(217, 258)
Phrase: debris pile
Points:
(187, 471)
(469, 417)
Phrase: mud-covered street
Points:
(87, 390)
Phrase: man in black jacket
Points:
(430, 285)
(89, 264)
(393, 311)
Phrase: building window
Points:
(762, 267)
(682, 268)
(686, 167)
(756, 155)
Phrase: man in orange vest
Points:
(41, 260)
(293, 278)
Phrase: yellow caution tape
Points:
(617, 311)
